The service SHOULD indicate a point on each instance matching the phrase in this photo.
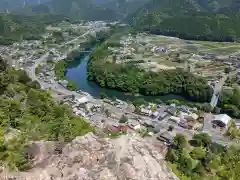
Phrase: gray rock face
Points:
(93, 158)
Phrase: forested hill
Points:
(190, 19)
(80, 9)
(16, 27)
(9, 5)
(86, 9)
(122, 7)
(29, 113)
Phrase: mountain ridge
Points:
(189, 19)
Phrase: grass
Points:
(59, 69)
(177, 172)
(215, 44)
(227, 50)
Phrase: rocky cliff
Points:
(91, 157)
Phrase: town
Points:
(115, 117)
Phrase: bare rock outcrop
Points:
(94, 158)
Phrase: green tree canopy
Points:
(202, 139)
(180, 141)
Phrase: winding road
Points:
(55, 87)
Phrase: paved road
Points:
(55, 87)
(214, 133)
(31, 70)
(75, 39)
(217, 91)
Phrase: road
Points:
(75, 39)
(32, 69)
(214, 133)
(217, 90)
(55, 87)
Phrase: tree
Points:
(227, 70)
(158, 101)
(206, 107)
(199, 169)
(217, 110)
(139, 102)
(123, 119)
(103, 95)
(198, 153)
(185, 165)
(202, 139)
(3, 64)
(108, 113)
(114, 58)
(233, 131)
(180, 141)
(172, 155)
(170, 128)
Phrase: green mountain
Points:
(9, 5)
(122, 7)
(80, 9)
(16, 27)
(213, 20)
(89, 10)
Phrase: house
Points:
(115, 128)
(174, 119)
(221, 120)
(146, 112)
(64, 83)
(165, 137)
(171, 110)
(238, 123)
(155, 114)
(133, 124)
(82, 100)
(162, 116)
(194, 116)
(183, 109)
(183, 124)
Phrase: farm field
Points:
(157, 53)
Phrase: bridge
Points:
(84, 51)
(217, 91)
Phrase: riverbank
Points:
(60, 67)
(130, 78)
(84, 50)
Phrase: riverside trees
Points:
(130, 78)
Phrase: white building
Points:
(146, 112)
(175, 119)
(221, 120)
(82, 100)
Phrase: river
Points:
(77, 72)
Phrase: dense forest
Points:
(78, 9)
(229, 102)
(194, 19)
(9, 5)
(16, 27)
(87, 10)
(29, 113)
(130, 78)
(200, 158)
(194, 26)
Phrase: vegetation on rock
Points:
(29, 113)
(196, 162)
